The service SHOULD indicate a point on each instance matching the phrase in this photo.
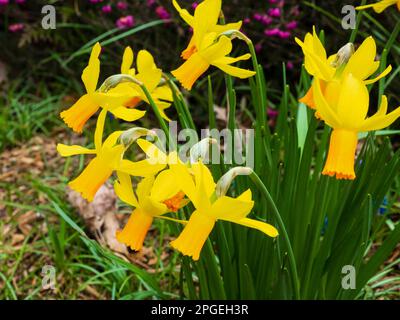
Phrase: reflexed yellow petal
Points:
(136, 229)
(380, 76)
(153, 153)
(353, 102)
(161, 105)
(230, 60)
(92, 178)
(163, 93)
(266, 228)
(145, 62)
(90, 74)
(127, 60)
(232, 209)
(77, 116)
(98, 134)
(127, 114)
(362, 62)
(235, 71)
(144, 188)
(185, 181)
(110, 99)
(67, 151)
(324, 110)
(142, 168)
(316, 65)
(124, 190)
(185, 15)
(112, 139)
(204, 177)
(226, 27)
(218, 50)
(164, 186)
(205, 18)
(380, 120)
(378, 7)
(318, 47)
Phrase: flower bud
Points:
(201, 149)
(225, 182)
(130, 136)
(343, 55)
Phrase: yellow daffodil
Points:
(150, 75)
(204, 21)
(199, 186)
(76, 116)
(108, 158)
(211, 53)
(361, 64)
(347, 115)
(380, 5)
(154, 198)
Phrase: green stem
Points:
(293, 268)
(160, 119)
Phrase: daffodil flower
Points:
(348, 116)
(199, 186)
(154, 198)
(150, 75)
(211, 53)
(380, 6)
(108, 158)
(330, 70)
(77, 115)
(204, 21)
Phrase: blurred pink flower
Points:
(258, 16)
(274, 12)
(125, 22)
(16, 27)
(107, 8)
(151, 3)
(289, 65)
(258, 47)
(247, 21)
(273, 1)
(284, 34)
(266, 20)
(292, 25)
(272, 32)
(3, 2)
(122, 5)
(95, 1)
(19, 1)
(162, 13)
(194, 5)
(272, 113)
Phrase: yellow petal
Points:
(127, 60)
(205, 18)
(164, 186)
(128, 114)
(98, 133)
(380, 120)
(90, 74)
(67, 151)
(362, 62)
(153, 153)
(378, 7)
(141, 168)
(226, 27)
(112, 139)
(230, 60)
(232, 209)
(353, 102)
(324, 110)
(185, 181)
(218, 50)
(266, 228)
(380, 76)
(123, 189)
(235, 71)
(204, 179)
(144, 188)
(185, 15)
(163, 93)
